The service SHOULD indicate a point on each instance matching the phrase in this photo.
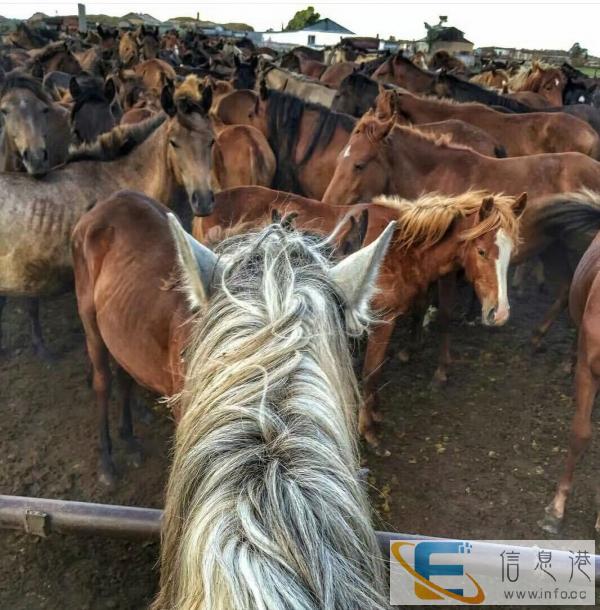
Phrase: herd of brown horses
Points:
(100, 135)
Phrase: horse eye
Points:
(45, 110)
(481, 252)
(359, 166)
(173, 144)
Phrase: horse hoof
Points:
(440, 378)
(107, 479)
(377, 415)
(551, 523)
(403, 356)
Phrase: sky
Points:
(537, 24)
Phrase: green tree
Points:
(303, 18)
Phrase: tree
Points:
(578, 54)
(303, 18)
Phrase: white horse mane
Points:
(264, 508)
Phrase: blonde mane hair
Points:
(424, 222)
(190, 89)
(264, 507)
(521, 81)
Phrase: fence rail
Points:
(42, 516)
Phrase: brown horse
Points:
(306, 138)
(584, 306)
(148, 43)
(310, 67)
(546, 81)
(155, 74)
(35, 135)
(336, 73)
(457, 132)
(54, 57)
(521, 134)
(436, 235)
(128, 50)
(169, 160)
(495, 78)
(383, 158)
(400, 71)
(294, 84)
(110, 276)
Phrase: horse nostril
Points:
(26, 155)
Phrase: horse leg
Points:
(553, 312)
(101, 381)
(446, 292)
(417, 317)
(586, 386)
(133, 446)
(37, 339)
(3, 350)
(377, 345)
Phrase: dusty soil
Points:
(478, 458)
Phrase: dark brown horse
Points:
(306, 138)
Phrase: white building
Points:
(322, 33)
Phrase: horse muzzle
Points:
(202, 202)
(495, 316)
(36, 162)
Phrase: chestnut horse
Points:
(436, 235)
(110, 276)
(521, 134)
(584, 306)
(546, 81)
(306, 138)
(400, 71)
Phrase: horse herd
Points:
(230, 215)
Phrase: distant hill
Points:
(240, 27)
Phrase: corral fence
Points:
(42, 516)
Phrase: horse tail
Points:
(117, 142)
(571, 218)
(500, 151)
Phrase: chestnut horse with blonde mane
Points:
(264, 507)
(435, 235)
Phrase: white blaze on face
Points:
(505, 244)
(347, 151)
(581, 99)
(556, 82)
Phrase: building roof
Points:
(326, 25)
(449, 34)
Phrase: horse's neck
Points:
(424, 110)
(145, 168)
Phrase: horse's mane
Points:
(467, 91)
(117, 142)
(425, 222)
(263, 506)
(519, 81)
(15, 79)
(284, 117)
(190, 88)
(302, 78)
(47, 52)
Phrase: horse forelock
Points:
(263, 506)
(425, 221)
(20, 80)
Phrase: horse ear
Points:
(380, 89)
(355, 236)
(166, 100)
(356, 275)
(110, 89)
(74, 88)
(487, 205)
(520, 204)
(199, 266)
(275, 216)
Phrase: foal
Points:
(263, 505)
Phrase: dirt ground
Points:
(478, 458)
